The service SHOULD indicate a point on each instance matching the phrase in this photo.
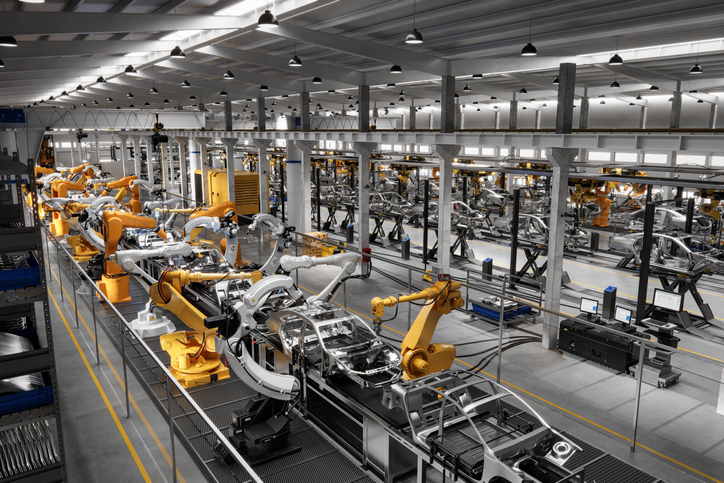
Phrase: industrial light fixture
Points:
(639, 98)
(263, 88)
(671, 99)
(267, 20)
(556, 81)
(223, 94)
(79, 88)
(83, 105)
(285, 96)
(351, 106)
(401, 99)
(392, 103)
(64, 93)
(477, 76)
(147, 104)
(523, 91)
(129, 95)
(319, 106)
(697, 68)
(524, 108)
(700, 101)
(73, 106)
(467, 88)
(42, 101)
(131, 106)
(316, 80)
(185, 84)
(331, 91)
(396, 69)
(529, 50)
(478, 109)
(110, 99)
(616, 59)
(603, 102)
(631, 104)
(544, 105)
(131, 70)
(8, 41)
(100, 80)
(493, 98)
(177, 53)
(615, 84)
(2, 64)
(165, 101)
(192, 98)
(51, 98)
(414, 37)
(295, 61)
(228, 75)
(653, 88)
(33, 1)
(153, 90)
(95, 103)
(274, 103)
(118, 107)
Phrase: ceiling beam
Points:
(121, 6)
(50, 23)
(381, 53)
(234, 89)
(71, 48)
(653, 79)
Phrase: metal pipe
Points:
(170, 430)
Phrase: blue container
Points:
(494, 313)
(12, 279)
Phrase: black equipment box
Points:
(597, 345)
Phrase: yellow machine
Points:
(715, 197)
(115, 282)
(246, 186)
(124, 187)
(194, 360)
(59, 189)
(604, 202)
(46, 156)
(419, 356)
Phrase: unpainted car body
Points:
(668, 252)
(667, 219)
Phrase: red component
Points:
(364, 258)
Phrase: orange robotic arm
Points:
(124, 186)
(114, 223)
(419, 355)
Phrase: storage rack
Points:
(31, 446)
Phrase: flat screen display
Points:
(668, 300)
(623, 315)
(589, 306)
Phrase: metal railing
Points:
(146, 352)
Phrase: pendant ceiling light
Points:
(401, 99)
(477, 76)
(523, 91)
(316, 80)
(83, 105)
(396, 69)
(653, 88)
(8, 41)
(177, 53)
(697, 68)
(80, 87)
(185, 84)
(639, 98)
(165, 101)
(131, 70)
(615, 84)
(192, 98)
(700, 101)
(603, 102)
(263, 88)
(51, 98)
(2, 64)
(64, 93)
(556, 81)
(147, 104)
(95, 103)
(267, 20)
(228, 75)
(616, 59)
(467, 88)
(118, 107)
(129, 95)
(529, 50)
(295, 61)
(100, 80)
(223, 94)
(414, 37)
(110, 99)
(132, 106)
(153, 90)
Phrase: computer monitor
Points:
(589, 306)
(623, 315)
(668, 300)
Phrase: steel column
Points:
(447, 153)
(363, 193)
(263, 169)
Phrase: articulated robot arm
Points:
(419, 356)
(279, 232)
(346, 261)
(277, 386)
(225, 225)
(127, 259)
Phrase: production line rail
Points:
(346, 414)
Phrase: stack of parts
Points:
(13, 344)
(14, 325)
(27, 448)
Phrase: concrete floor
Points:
(101, 444)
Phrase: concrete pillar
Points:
(229, 144)
(644, 115)
(458, 115)
(71, 136)
(537, 119)
(712, 115)
(566, 93)
(447, 99)
(412, 122)
(496, 119)
(513, 115)
(228, 115)
(447, 153)
(183, 175)
(201, 143)
(299, 185)
(583, 119)
(670, 162)
(561, 160)
(124, 154)
(263, 169)
(98, 150)
(261, 109)
(363, 193)
(304, 111)
(194, 164)
(363, 92)
(136, 156)
(675, 118)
